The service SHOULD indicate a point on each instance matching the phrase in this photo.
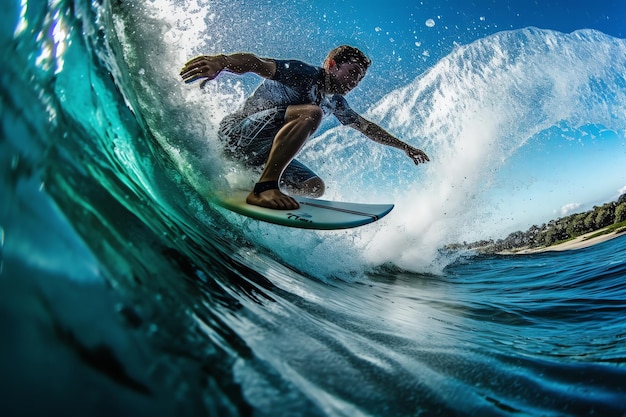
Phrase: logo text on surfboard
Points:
(302, 217)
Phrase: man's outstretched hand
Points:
(418, 156)
(203, 66)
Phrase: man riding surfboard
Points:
(284, 111)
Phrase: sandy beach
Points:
(580, 242)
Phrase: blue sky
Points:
(399, 24)
(552, 177)
(394, 33)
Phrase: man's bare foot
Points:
(273, 199)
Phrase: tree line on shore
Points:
(611, 214)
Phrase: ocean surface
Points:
(124, 290)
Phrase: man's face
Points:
(346, 76)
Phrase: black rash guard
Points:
(296, 82)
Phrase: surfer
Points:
(284, 111)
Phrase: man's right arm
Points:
(210, 66)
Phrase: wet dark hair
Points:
(347, 53)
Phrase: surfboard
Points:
(312, 213)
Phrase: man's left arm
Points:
(380, 135)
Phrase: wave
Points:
(471, 112)
(136, 288)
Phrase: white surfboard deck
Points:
(312, 214)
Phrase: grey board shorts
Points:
(249, 139)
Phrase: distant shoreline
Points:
(582, 241)
(574, 231)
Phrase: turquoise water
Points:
(124, 290)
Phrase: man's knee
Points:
(305, 112)
(315, 114)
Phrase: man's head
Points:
(346, 66)
(346, 53)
